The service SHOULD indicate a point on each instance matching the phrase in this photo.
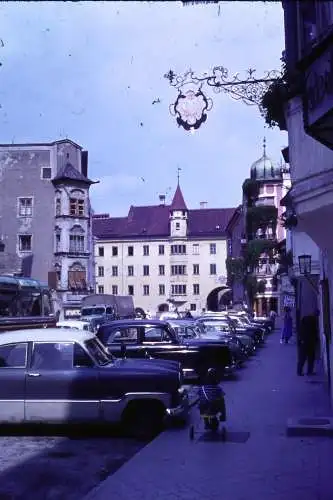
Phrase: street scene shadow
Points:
(61, 462)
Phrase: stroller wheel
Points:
(191, 433)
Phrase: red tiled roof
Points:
(153, 221)
(178, 202)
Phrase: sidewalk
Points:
(266, 466)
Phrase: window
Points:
(212, 269)
(58, 241)
(100, 289)
(76, 207)
(161, 270)
(196, 289)
(114, 270)
(121, 334)
(178, 270)
(100, 271)
(58, 206)
(178, 249)
(146, 250)
(130, 251)
(76, 243)
(195, 248)
(193, 307)
(161, 289)
(269, 189)
(80, 357)
(130, 290)
(177, 225)
(77, 277)
(46, 173)
(160, 249)
(100, 251)
(145, 289)
(114, 289)
(25, 242)
(13, 356)
(52, 356)
(156, 334)
(130, 270)
(146, 270)
(178, 289)
(25, 207)
(196, 269)
(212, 247)
(114, 251)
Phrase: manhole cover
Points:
(314, 421)
(231, 437)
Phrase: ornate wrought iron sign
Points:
(191, 105)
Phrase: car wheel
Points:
(144, 420)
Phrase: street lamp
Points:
(304, 262)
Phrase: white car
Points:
(74, 324)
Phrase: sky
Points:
(90, 71)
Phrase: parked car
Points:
(254, 331)
(156, 339)
(77, 324)
(188, 329)
(63, 376)
(222, 327)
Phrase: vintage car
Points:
(61, 376)
(222, 327)
(189, 329)
(156, 339)
(252, 331)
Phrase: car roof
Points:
(135, 322)
(181, 322)
(72, 322)
(45, 334)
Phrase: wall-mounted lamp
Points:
(305, 264)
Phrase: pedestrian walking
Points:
(287, 329)
(308, 340)
(272, 317)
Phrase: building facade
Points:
(273, 181)
(236, 239)
(308, 111)
(45, 223)
(166, 256)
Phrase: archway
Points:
(219, 298)
(163, 308)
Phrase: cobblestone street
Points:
(257, 461)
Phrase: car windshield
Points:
(98, 352)
(92, 311)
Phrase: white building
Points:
(166, 256)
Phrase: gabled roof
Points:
(178, 202)
(70, 173)
(154, 221)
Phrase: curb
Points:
(307, 427)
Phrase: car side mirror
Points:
(123, 350)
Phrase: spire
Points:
(264, 147)
(178, 202)
(178, 175)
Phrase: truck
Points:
(107, 307)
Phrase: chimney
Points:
(162, 199)
(203, 204)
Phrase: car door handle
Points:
(33, 374)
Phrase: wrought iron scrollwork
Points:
(250, 90)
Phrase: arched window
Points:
(76, 239)
(77, 277)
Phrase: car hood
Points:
(206, 341)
